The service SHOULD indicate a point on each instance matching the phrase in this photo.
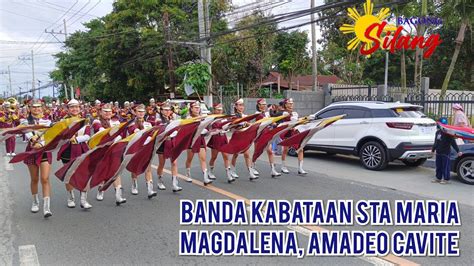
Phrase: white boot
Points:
(207, 181)
(233, 173)
(134, 187)
(283, 168)
(230, 178)
(188, 175)
(255, 172)
(252, 174)
(46, 208)
(176, 188)
(151, 192)
(84, 204)
(35, 205)
(274, 171)
(70, 199)
(301, 171)
(118, 196)
(100, 194)
(160, 184)
(211, 174)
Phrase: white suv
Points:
(377, 132)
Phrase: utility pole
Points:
(24, 58)
(166, 26)
(27, 83)
(204, 31)
(54, 33)
(208, 48)
(313, 48)
(39, 89)
(10, 80)
(33, 72)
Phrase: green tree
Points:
(196, 75)
(292, 55)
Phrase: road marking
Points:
(305, 229)
(28, 255)
(6, 236)
(8, 165)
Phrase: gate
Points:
(436, 106)
(342, 92)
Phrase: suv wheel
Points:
(373, 156)
(465, 170)
(414, 163)
(292, 152)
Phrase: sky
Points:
(23, 24)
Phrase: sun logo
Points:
(362, 23)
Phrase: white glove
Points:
(172, 135)
(82, 138)
(204, 131)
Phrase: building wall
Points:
(306, 102)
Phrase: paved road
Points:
(146, 231)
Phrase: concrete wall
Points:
(306, 102)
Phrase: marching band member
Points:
(140, 124)
(38, 165)
(239, 108)
(288, 110)
(98, 125)
(151, 112)
(199, 147)
(73, 149)
(261, 109)
(218, 140)
(9, 118)
(165, 117)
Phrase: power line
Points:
(65, 13)
(62, 8)
(21, 15)
(84, 6)
(87, 12)
(21, 42)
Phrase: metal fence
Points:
(342, 92)
(436, 106)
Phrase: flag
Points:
(56, 138)
(300, 139)
(58, 128)
(237, 121)
(264, 139)
(108, 134)
(120, 154)
(183, 139)
(141, 159)
(202, 125)
(78, 172)
(240, 140)
(188, 88)
(457, 132)
(21, 129)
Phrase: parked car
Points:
(464, 165)
(204, 109)
(377, 132)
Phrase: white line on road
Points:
(28, 255)
(8, 166)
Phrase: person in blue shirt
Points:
(442, 148)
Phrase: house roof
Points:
(304, 82)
